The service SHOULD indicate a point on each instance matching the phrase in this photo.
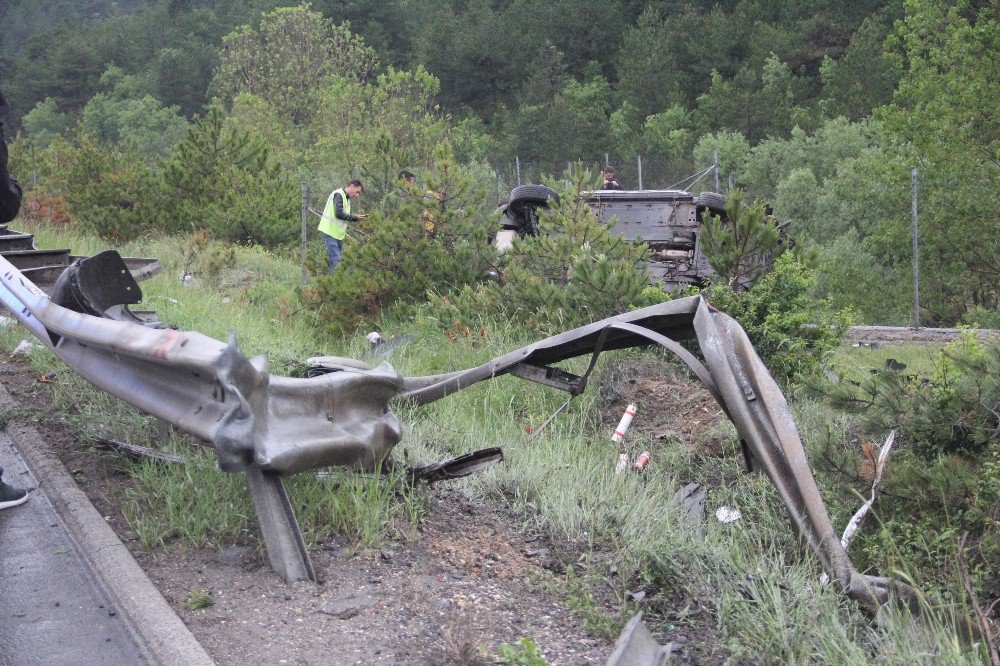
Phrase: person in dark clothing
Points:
(10, 205)
(10, 190)
(336, 215)
(609, 180)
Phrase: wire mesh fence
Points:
(632, 173)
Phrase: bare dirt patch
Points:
(671, 405)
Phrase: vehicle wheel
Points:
(531, 195)
(714, 201)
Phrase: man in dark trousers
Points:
(10, 204)
(336, 215)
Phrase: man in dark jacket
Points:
(10, 190)
(10, 204)
(609, 180)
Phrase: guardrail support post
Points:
(286, 549)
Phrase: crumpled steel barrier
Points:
(269, 426)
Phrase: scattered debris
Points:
(455, 468)
(6, 321)
(727, 514)
(623, 425)
(637, 647)
(137, 452)
(893, 365)
(858, 518)
(641, 461)
(24, 348)
(619, 437)
(382, 348)
(691, 498)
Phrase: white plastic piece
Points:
(6, 321)
(622, 463)
(624, 424)
(855, 522)
(24, 348)
(373, 338)
(727, 514)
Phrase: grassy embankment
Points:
(627, 533)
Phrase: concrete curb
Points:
(153, 623)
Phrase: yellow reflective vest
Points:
(330, 224)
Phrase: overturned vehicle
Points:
(268, 426)
(668, 221)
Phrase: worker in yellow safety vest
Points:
(336, 215)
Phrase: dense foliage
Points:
(818, 110)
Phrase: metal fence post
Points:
(715, 169)
(498, 188)
(639, 161)
(305, 222)
(916, 256)
(517, 168)
(286, 549)
(607, 162)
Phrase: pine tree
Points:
(223, 180)
(741, 247)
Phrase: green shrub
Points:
(740, 248)
(109, 190)
(575, 270)
(522, 653)
(790, 329)
(952, 410)
(224, 180)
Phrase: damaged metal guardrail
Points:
(267, 426)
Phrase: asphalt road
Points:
(51, 610)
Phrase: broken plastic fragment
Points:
(727, 514)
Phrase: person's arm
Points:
(338, 209)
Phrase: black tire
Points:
(714, 201)
(523, 196)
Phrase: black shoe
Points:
(9, 495)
